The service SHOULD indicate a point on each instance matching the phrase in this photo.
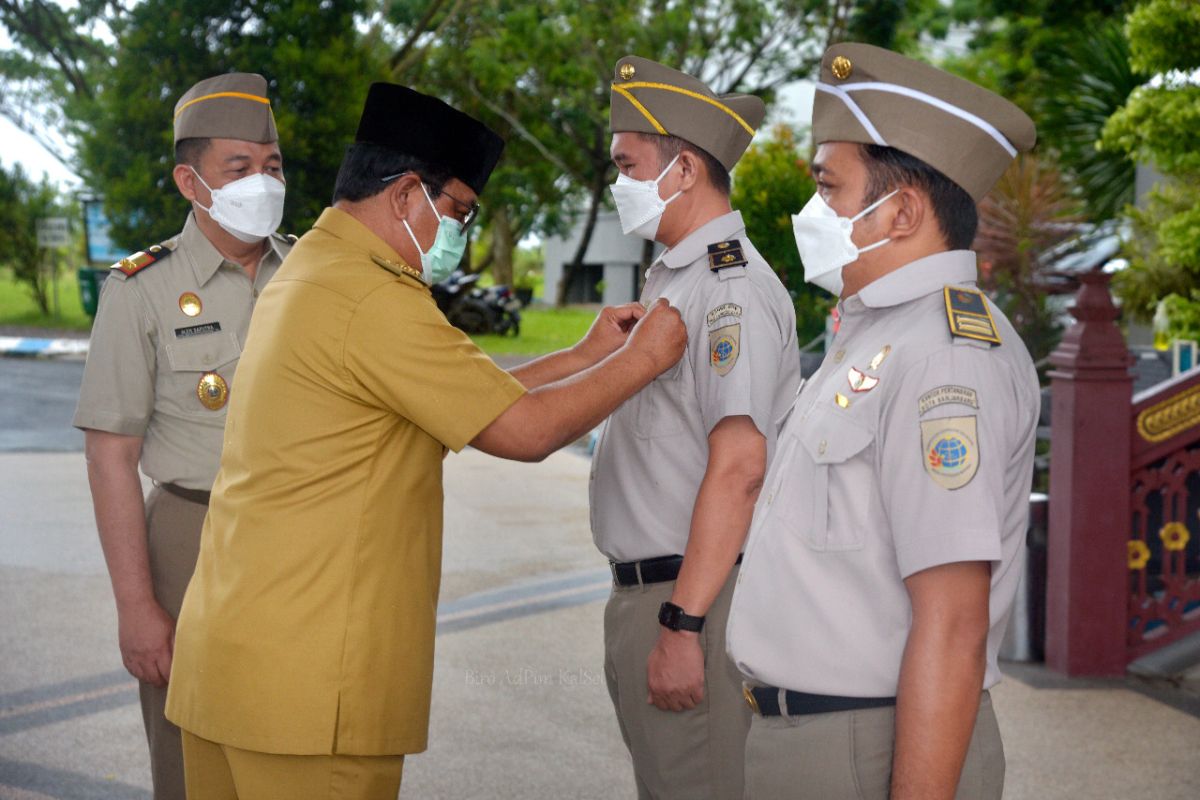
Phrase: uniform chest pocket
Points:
(837, 519)
(661, 408)
(201, 371)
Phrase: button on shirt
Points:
(914, 449)
(147, 356)
(741, 359)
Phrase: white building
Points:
(611, 265)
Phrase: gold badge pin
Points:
(861, 381)
(627, 72)
(189, 303)
(213, 391)
(879, 357)
(841, 68)
(841, 400)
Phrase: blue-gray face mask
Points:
(444, 255)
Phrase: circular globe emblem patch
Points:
(722, 352)
(951, 455)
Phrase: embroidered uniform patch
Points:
(723, 346)
(726, 311)
(950, 451)
(946, 394)
(725, 254)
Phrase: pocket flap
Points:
(832, 439)
(203, 353)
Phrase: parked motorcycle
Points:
(472, 309)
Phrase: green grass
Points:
(17, 306)
(543, 330)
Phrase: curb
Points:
(23, 346)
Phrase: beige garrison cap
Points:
(650, 98)
(873, 96)
(231, 106)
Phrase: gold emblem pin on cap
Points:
(212, 391)
(189, 303)
(627, 72)
(841, 68)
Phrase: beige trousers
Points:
(220, 772)
(847, 755)
(695, 754)
(173, 528)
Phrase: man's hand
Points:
(675, 671)
(147, 636)
(661, 336)
(609, 331)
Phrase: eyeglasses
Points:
(472, 212)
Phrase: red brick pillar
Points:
(1087, 586)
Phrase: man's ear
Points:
(185, 180)
(690, 170)
(402, 193)
(912, 209)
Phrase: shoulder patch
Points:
(131, 265)
(725, 254)
(969, 316)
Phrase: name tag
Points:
(197, 330)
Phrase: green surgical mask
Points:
(447, 249)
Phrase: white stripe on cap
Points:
(963, 114)
(838, 92)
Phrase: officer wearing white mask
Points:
(885, 553)
(165, 345)
(679, 465)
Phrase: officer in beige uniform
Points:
(168, 334)
(885, 551)
(679, 465)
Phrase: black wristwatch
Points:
(671, 617)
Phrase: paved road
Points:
(37, 402)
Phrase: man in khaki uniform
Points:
(678, 466)
(304, 657)
(160, 369)
(885, 552)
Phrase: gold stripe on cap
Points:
(695, 95)
(215, 95)
(621, 90)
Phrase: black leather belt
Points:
(652, 570)
(191, 495)
(764, 700)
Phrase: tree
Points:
(318, 68)
(1160, 125)
(771, 183)
(22, 203)
(1028, 213)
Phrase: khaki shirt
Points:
(308, 627)
(929, 462)
(741, 359)
(147, 356)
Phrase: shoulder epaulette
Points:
(725, 254)
(969, 316)
(131, 265)
(286, 238)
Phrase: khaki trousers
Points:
(173, 528)
(695, 754)
(847, 755)
(220, 772)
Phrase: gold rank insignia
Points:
(969, 316)
(213, 391)
(725, 254)
(841, 68)
(879, 357)
(189, 304)
(397, 268)
(627, 72)
(137, 262)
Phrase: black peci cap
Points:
(424, 127)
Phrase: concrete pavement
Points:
(520, 709)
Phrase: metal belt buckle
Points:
(612, 567)
(751, 700)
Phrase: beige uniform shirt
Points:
(909, 448)
(741, 359)
(309, 624)
(157, 334)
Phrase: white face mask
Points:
(823, 239)
(638, 204)
(249, 208)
